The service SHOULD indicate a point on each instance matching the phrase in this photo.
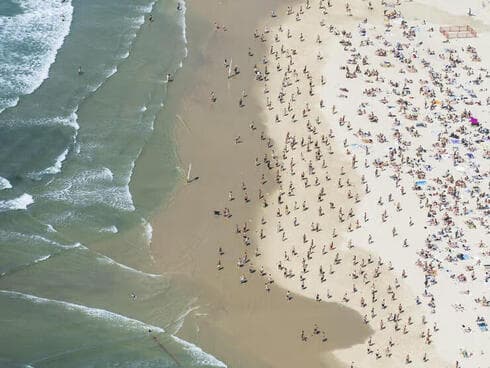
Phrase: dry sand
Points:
(287, 228)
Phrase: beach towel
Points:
(483, 326)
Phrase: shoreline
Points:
(241, 320)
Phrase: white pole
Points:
(189, 173)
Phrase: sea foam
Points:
(46, 121)
(104, 259)
(199, 355)
(56, 168)
(148, 231)
(4, 184)
(19, 203)
(13, 236)
(95, 186)
(109, 229)
(184, 28)
(96, 313)
(30, 41)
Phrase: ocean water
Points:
(82, 83)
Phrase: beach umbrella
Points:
(474, 121)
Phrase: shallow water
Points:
(82, 83)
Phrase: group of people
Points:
(380, 166)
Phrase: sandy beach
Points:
(241, 325)
(336, 210)
(245, 183)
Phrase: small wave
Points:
(138, 21)
(110, 229)
(103, 174)
(104, 259)
(95, 187)
(4, 184)
(108, 74)
(47, 121)
(55, 169)
(135, 24)
(148, 231)
(184, 25)
(42, 259)
(128, 180)
(51, 229)
(111, 72)
(30, 41)
(19, 203)
(4, 362)
(117, 197)
(124, 55)
(21, 267)
(102, 314)
(146, 9)
(95, 87)
(199, 355)
(13, 236)
(73, 246)
(6, 103)
(108, 173)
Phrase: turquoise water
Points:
(81, 85)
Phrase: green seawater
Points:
(70, 145)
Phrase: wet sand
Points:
(241, 324)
